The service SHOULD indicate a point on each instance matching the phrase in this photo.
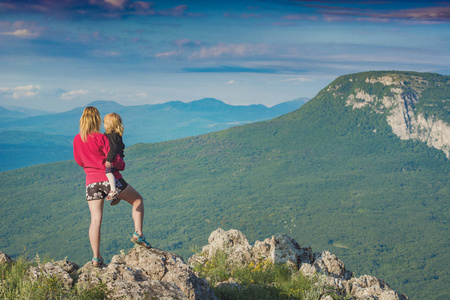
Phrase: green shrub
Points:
(15, 285)
(262, 280)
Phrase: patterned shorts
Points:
(99, 190)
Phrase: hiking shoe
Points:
(140, 240)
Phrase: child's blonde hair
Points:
(113, 123)
(90, 122)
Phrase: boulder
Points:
(232, 242)
(331, 265)
(367, 287)
(147, 273)
(4, 258)
(279, 249)
(54, 270)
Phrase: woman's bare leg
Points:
(135, 199)
(96, 208)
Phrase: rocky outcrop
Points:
(155, 274)
(401, 116)
(282, 249)
(60, 269)
(140, 274)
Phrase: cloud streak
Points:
(231, 50)
(94, 9)
(373, 11)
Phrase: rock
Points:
(308, 269)
(147, 273)
(151, 289)
(331, 265)
(232, 242)
(67, 266)
(368, 287)
(51, 270)
(4, 258)
(279, 249)
(399, 107)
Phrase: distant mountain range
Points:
(359, 170)
(29, 137)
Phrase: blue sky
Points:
(60, 54)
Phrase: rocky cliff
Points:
(156, 274)
(399, 104)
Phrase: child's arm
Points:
(112, 148)
(119, 163)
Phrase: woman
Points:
(90, 148)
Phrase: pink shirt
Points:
(91, 155)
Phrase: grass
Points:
(261, 280)
(15, 284)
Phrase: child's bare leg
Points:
(112, 181)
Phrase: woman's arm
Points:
(75, 152)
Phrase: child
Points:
(114, 131)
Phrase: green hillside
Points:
(333, 177)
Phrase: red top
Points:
(91, 155)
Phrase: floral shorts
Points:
(99, 190)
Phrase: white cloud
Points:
(73, 94)
(234, 50)
(187, 43)
(297, 79)
(167, 54)
(22, 33)
(18, 92)
(230, 82)
(26, 91)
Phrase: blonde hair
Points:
(90, 122)
(113, 123)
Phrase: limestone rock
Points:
(400, 112)
(232, 242)
(147, 273)
(51, 270)
(151, 289)
(331, 265)
(308, 269)
(4, 258)
(368, 287)
(281, 249)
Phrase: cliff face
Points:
(155, 274)
(399, 104)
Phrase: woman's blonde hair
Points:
(90, 122)
(113, 123)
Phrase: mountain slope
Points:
(330, 174)
(143, 123)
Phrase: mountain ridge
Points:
(143, 123)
